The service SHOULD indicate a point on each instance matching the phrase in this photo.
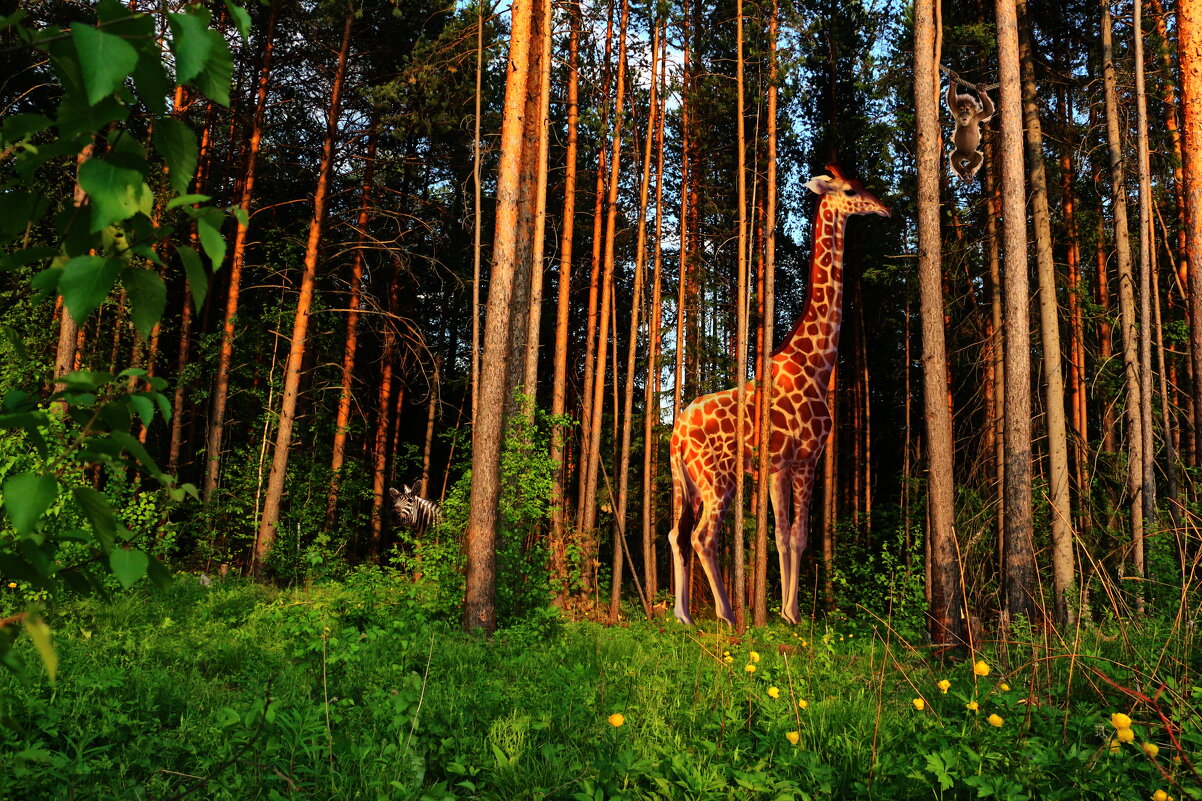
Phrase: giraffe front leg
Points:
(680, 535)
(780, 490)
(803, 490)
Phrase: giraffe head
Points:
(847, 194)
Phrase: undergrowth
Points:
(350, 690)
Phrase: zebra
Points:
(413, 511)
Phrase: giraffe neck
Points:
(814, 342)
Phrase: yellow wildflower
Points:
(12, 585)
(1004, 687)
(803, 704)
(995, 720)
(919, 704)
(981, 668)
(616, 719)
(973, 706)
(849, 636)
(793, 736)
(774, 692)
(1151, 749)
(944, 686)
(726, 653)
(1161, 795)
(1124, 735)
(1115, 746)
(750, 668)
(728, 659)
(753, 656)
(1120, 721)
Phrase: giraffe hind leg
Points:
(680, 536)
(705, 541)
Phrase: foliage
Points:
(114, 230)
(349, 690)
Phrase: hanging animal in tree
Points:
(705, 466)
(969, 113)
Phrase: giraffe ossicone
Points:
(704, 464)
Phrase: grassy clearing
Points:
(346, 690)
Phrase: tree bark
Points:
(1189, 53)
(479, 610)
(296, 353)
(739, 595)
(1063, 567)
(946, 621)
(225, 350)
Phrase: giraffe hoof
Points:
(684, 618)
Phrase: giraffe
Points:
(703, 460)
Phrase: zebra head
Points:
(413, 511)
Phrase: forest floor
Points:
(348, 690)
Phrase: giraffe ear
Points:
(821, 185)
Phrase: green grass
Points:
(348, 690)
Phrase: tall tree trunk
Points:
(589, 521)
(296, 352)
(1063, 568)
(559, 553)
(538, 126)
(385, 404)
(225, 350)
(477, 220)
(351, 346)
(651, 401)
(767, 385)
(479, 610)
(1189, 53)
(1018, 569)
(996, 344)
(640, 260)
(946, 620)
(1127, 314)
(1147, 239)
(739, 594)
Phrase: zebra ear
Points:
(392, 491)
(406, 489)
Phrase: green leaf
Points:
(116, 192)
(144, 407)
(176, 143)
(187, 200)
(191, 44)
(129, 565)
(241, 19)
(39, 635)
(105, 60)
(147, 297)
(18, 126)
(85, 283)
(100, 514)
(152, 82)
(198, 279)
(18, 210)
(137, 449)
(218, 71)
(208, 227)
(158, 573)
(26, 497)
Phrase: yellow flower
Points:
(728, 659)
(12, 585)
(726, 653)
(1115, 746)
(944, 686)
(1004, 687)
(793, 736)
(616, 719)
(774, 692)
(803, 704)
(973, 706)
(753, 656)
(1151, 749)
(981, 668)
(1124, 735)
(919, 704)
(750, 668)
(804, 643)
(849, 636)
(1120, 721)
(1161, 795)
(995, 720)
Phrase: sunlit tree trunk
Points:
(296, 353)
(559, 554)
(538, 127)
(351, 346)
(1128, 328)
(225, 350)
(1189, 52)
(479, 611)
(739, 594)
(1063, 568)
(946, 621)
(385, 405)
